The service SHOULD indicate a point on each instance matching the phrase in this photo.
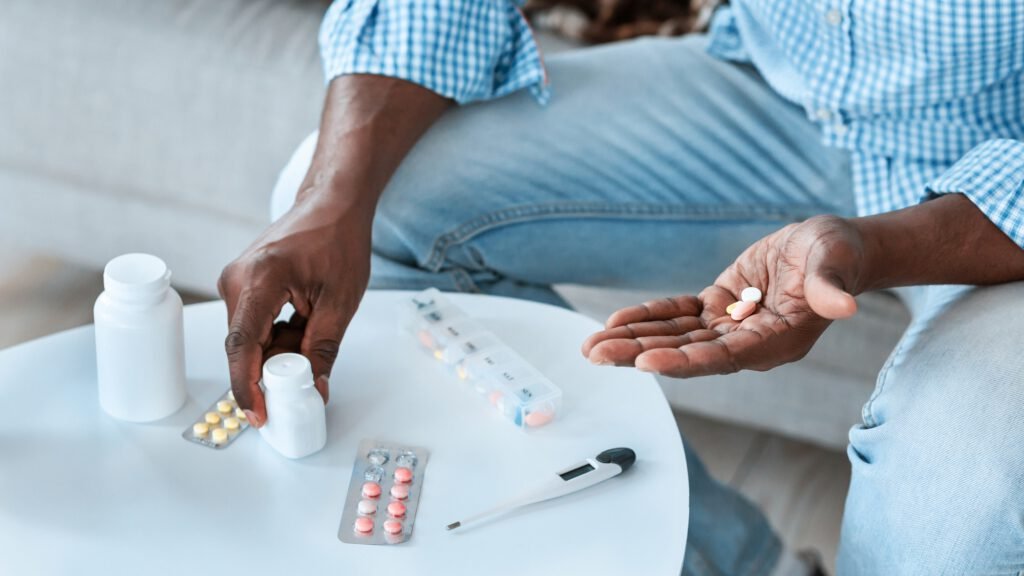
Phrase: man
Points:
(654, 163)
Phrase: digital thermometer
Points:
(573, 479)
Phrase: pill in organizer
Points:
(517, 390)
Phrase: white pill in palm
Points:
(750, 294)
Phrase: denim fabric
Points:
(654, 166)
(938, 463)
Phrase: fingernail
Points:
(251, 417)
(323, 385)
(600, 361)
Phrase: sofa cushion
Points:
(191, 104)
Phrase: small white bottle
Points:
(296, 417)
(140, 340)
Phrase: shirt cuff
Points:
(992, 176)
(466, 50)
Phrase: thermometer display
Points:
(575, 472)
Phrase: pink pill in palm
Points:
(371, 489)
(400, 491)
(392, 526)
(403, 475)
(742, 310)
(364, 525)
(396, 509)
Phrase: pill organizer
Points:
(383, 494)
(220, 425)
(517, 390)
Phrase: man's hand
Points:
(808, 273)
(317, 257)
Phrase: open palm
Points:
(807, 273)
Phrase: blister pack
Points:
(220, 425)
(383, 494)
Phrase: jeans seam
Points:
(883, 378)
(520, 214)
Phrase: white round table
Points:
(81, 493)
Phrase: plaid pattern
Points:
(466, 50)
(927, 95)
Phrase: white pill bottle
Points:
(296, 417)
(140, 340)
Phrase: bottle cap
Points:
(136, 275)
(287, 371)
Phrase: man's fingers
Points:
(725, 354)
(623, 352)
(662, 309)
(322, 340)
(248, 334)
(670, 327)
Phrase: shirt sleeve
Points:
(467, 50)
(992, 176)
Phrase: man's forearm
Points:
(369, 124)
(943, 241)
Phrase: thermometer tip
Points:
(454, 525)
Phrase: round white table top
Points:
(83, 493)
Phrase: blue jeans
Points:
(653, 167)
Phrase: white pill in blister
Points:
(367, 507)
(750, 294)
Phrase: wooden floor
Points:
(800, 487)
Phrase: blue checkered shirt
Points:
(928, 95)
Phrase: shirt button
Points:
(834, 17)
(823, 114)
(839, 129)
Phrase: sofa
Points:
(162, 126)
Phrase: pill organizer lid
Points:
(287, 371)
(136, 274)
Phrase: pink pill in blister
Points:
(371, 490)
(363, 525)
(742, 310)
(403, 475)
(396, 509)
(400, 491)
(392, 526)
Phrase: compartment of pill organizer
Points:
(377, 463)
(227, 415)
(517, 391)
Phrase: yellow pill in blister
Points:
(219, 436)
(200, 428)
(231, 394)
(224, 407)
(212, 418)
(231, 424)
